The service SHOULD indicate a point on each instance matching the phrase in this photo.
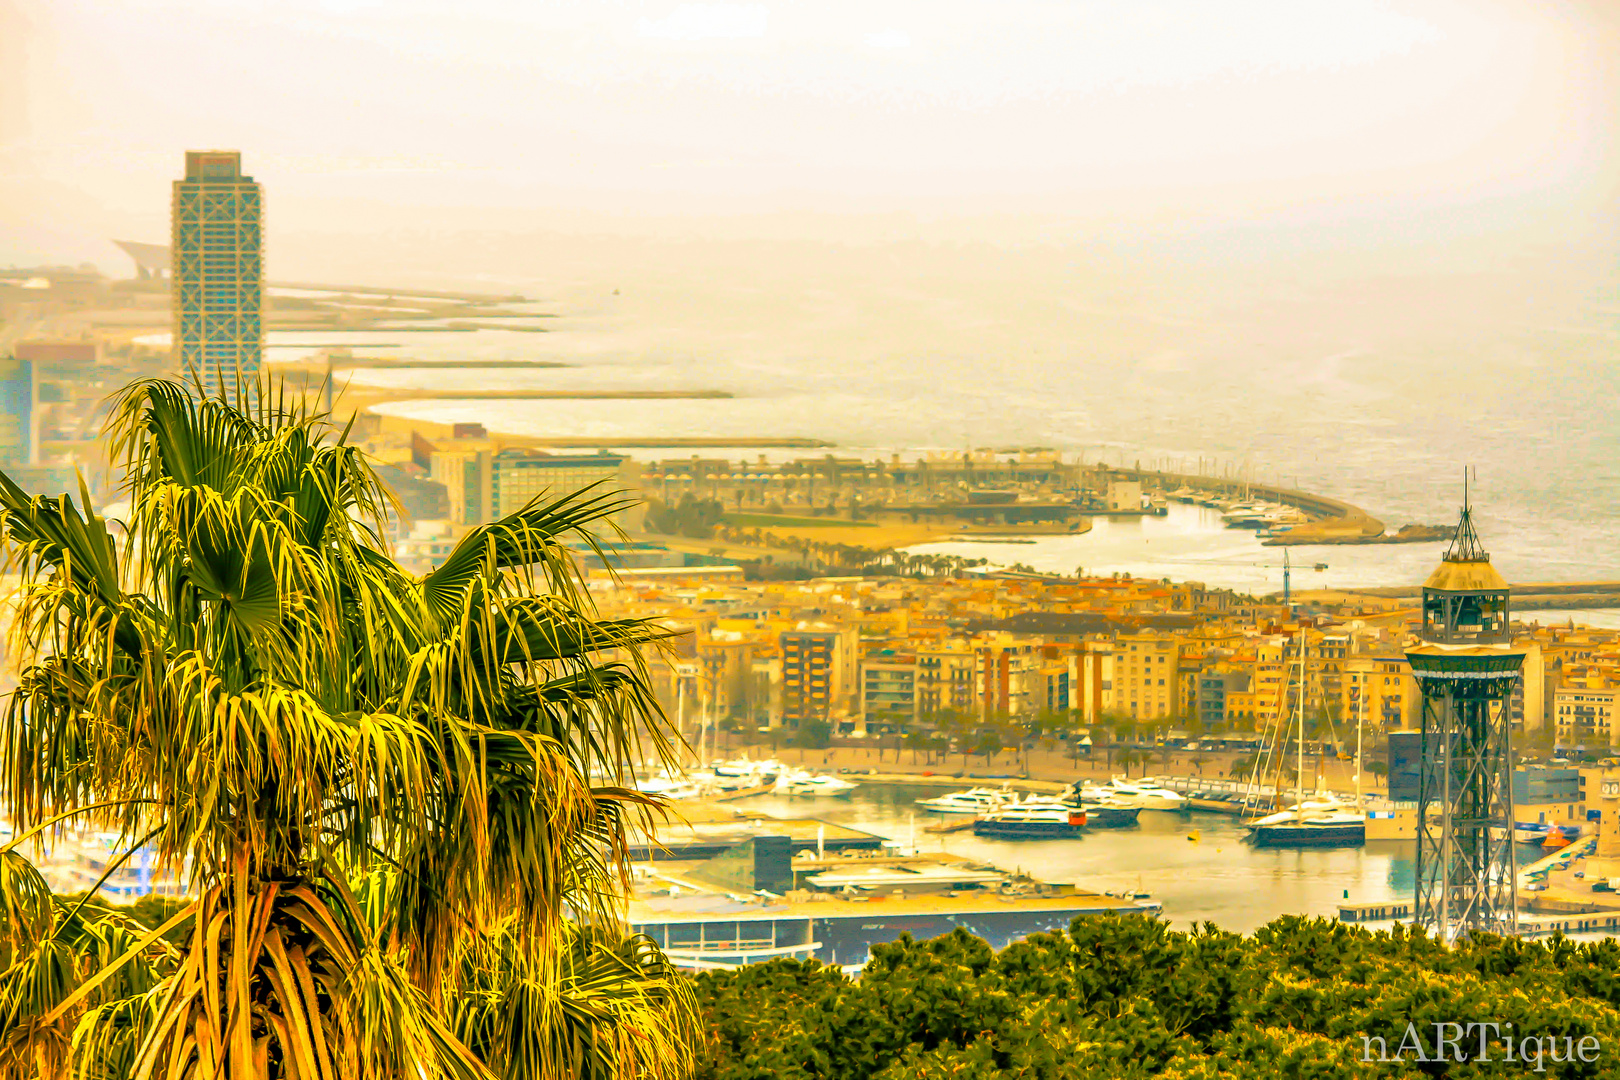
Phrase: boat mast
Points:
(1361, 713)
(680, 706)
(1299, 712)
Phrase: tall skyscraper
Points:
(217, 280)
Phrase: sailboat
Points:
(1321, 820)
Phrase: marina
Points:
(1197, 867)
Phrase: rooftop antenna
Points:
(1465, 545)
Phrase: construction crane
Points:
(1286, 566)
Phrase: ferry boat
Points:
(1034, 819)
(973, 801)
(799, 782)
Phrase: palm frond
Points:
(249, 680)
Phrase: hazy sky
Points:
(452, 119)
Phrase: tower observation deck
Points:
(1466, 670)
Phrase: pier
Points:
(1377, 911)
(1558, 860)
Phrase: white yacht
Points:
(1039, 816)
(1104, 808)
(1146, 795)
(800, 782)
(668, 788)
(977, 800)
(1246, 515)
(1308, 825)
(759, 772)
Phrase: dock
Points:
(1538, 870)
(1586, 923)
(1377, 911)
(1530, 926)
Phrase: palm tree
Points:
(403, 803)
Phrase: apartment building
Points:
(816, 668)
(947, 678)
(1146, 683)
(1585, 714)
(889, 699)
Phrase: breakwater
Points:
(1321, 506)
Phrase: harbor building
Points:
(1123, 497)
(717, 894)
(217, 276)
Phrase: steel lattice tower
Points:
(217, 275)
(1466, 669)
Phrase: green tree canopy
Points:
(1127, 998)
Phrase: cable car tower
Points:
(1466, 669)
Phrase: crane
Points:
(1286, 566)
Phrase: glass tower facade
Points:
(217, 278)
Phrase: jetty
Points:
(1376, 911)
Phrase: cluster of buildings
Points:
(886, 656)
